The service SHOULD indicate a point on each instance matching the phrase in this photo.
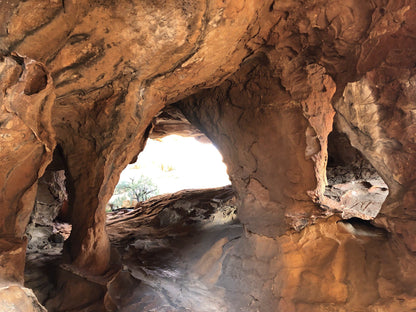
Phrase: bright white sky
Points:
(175, 163)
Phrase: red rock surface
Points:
(27, 142)
(262, 80)
(19, 299)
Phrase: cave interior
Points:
(312, 105)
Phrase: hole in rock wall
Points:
(168, 165)
(353, 183)
(48, 228)
(172, 245)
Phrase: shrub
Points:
(134, 190)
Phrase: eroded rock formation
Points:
(27, 143)
(172, 121)
(266, 81)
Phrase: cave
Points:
(310, 103)
(353, 184)
(170, 164)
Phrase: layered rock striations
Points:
(27, 143)
(266, 81)
(114, 66)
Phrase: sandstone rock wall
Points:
(263, 80)
(27, 143)
(114, 66)
(259, 136)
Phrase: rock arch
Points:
(263, 80)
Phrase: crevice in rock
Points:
(359, 228)
(36, 80)
(354, 185)
(47, 230)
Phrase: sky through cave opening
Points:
(168, 165)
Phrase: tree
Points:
(141, 189)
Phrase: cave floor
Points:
(170, 252)
(169, 259)
(171, 272)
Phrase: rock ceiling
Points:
(266, 81)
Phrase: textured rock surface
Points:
(390, 150)
(262, 80)
(114, 66)
(50, 198)
(283, 199)
(177, 209)
(171, 121)
(171, 249)
(354, 186)
(176, 244)
(252, 100)
(27, 142)
(19, 299)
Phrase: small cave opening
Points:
(172, 244)
(168, 165)
(354, 185)
(49, 227)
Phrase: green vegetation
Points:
(134, 190)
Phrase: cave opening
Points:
(49, 227)
(353, 183)
(264, 80)
(170, 163)
(172, 245)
